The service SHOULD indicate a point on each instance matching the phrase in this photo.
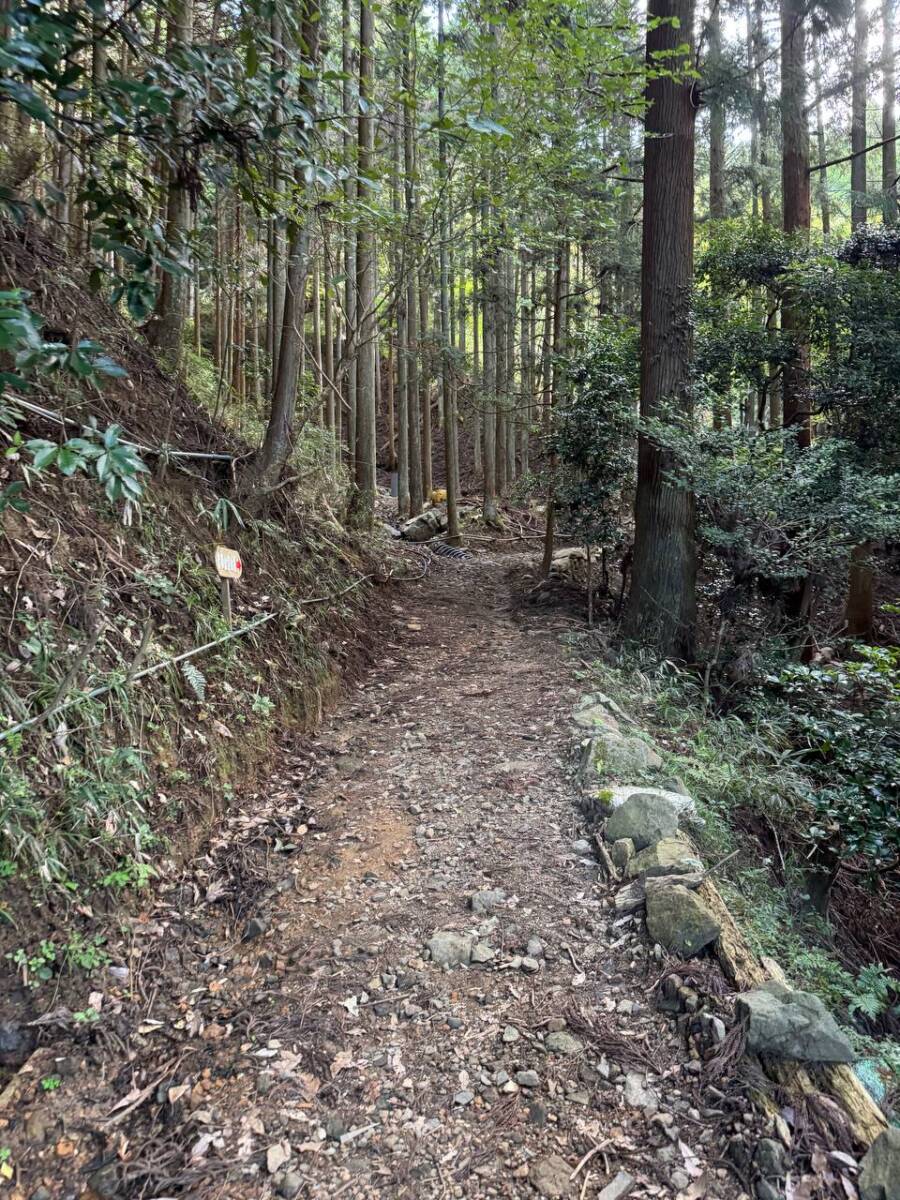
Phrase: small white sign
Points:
(228, 563)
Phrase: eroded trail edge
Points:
(282, 1029)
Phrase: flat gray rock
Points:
(787, 1023)
(679, 920)
(615, 797)
(644, 818)
(486, 900)
(561, 1042)
(668, 856)
(550, 1177)
(620, 1186)
(879, 1178)
(637, 1094)
(450, 949)
(612, 754)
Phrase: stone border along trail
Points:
(289, 1035)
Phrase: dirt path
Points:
(286, 1032)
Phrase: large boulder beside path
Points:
(679, 920)
(645, 818)
(615, 797)
(787, 1023)
(880, 1175)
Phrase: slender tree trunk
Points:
(662, 605)
(796, 203)
(489, 355)
(858, 182)
(754, 113)
(365, 274)
(416, 498)
(351, 341)
(451, 445)
(762, 113)
(425, 388)
(888, 115)
(560, 333)
(477, 347)
(822, 187)
(399, 255)
(171, 309)
(716, 122)
(330, 398)
(277, 443)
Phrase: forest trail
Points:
(287, 1037)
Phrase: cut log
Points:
(659, 883)
(838, 1081)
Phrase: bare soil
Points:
(273, 1025)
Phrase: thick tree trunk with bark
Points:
(662, 606)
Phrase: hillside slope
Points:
(112, 783)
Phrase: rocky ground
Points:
(280, 1022)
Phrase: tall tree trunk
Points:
(416, 497)
(824, 203)
(425, 387)
(489, 356)
(351, 340)
(365, 274)
(716, 122)
(171, 309)
(277, 443)
(859, 611)
(762, 112)
(331, 401)
(796, 204)
(560, 334)
(662, 605)
(858, 181)
(399, 254)
(451, 444)
(888, 115)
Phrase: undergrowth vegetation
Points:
(809, 756)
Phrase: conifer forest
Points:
(449, 599)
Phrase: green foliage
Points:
(874, 991)
(41, 963)
(222, 513)
(596, 434)
(20, 336)
(130, 873)
(97, 807)
(844, 718)
(115, 464)
(238, 112)
(195, 678)
(774, 511)
(50, 1083)
(38, 965)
